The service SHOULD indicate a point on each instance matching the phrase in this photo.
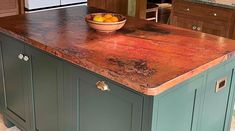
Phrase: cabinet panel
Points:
(9, 7)
(215, 104)
(97, 3)
(213, 20)
(219, 29)
(47, 82)
(178, 109)
(17, 82)
(186, 22)
(119, 6)
(114, 110)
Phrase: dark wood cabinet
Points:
(204, 18)
(135, 8)
(186, 22)
(11, 7)
(216, 28)
(119, 6)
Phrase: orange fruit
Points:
(114, 19)
(98, 18)
(108, 16)
(108, 20)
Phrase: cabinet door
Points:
(187, 22)
(97, 3)
(17, 82)
(9, 7)
(119, 6)
(47, 82)
(216, 28)
(114, 110)
(178, 109)
(216, 100)
(65, 2)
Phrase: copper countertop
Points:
(144, 56)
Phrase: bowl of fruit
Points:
(105, 22)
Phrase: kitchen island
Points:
(60, 75)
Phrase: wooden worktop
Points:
(147, 57)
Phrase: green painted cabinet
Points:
(47, 79)
(178, 109)
(17, 82)
(32, 86)
(216, 99)
(117, 109)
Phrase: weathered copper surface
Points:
(147, 57)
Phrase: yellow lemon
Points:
(98, 18)
(114, 19)
(108, 16)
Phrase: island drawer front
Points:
(116, 109)
(204, 11)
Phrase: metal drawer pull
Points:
(102, 86)
(188, 9)
(214, 14)
(26, 58)
(20, 56)
(220, 84)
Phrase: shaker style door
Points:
(17, 81)
(47, 82)
(96, 104)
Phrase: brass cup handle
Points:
(101, 85)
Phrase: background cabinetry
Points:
(120, 6)
(204, 18)
(11, 7)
